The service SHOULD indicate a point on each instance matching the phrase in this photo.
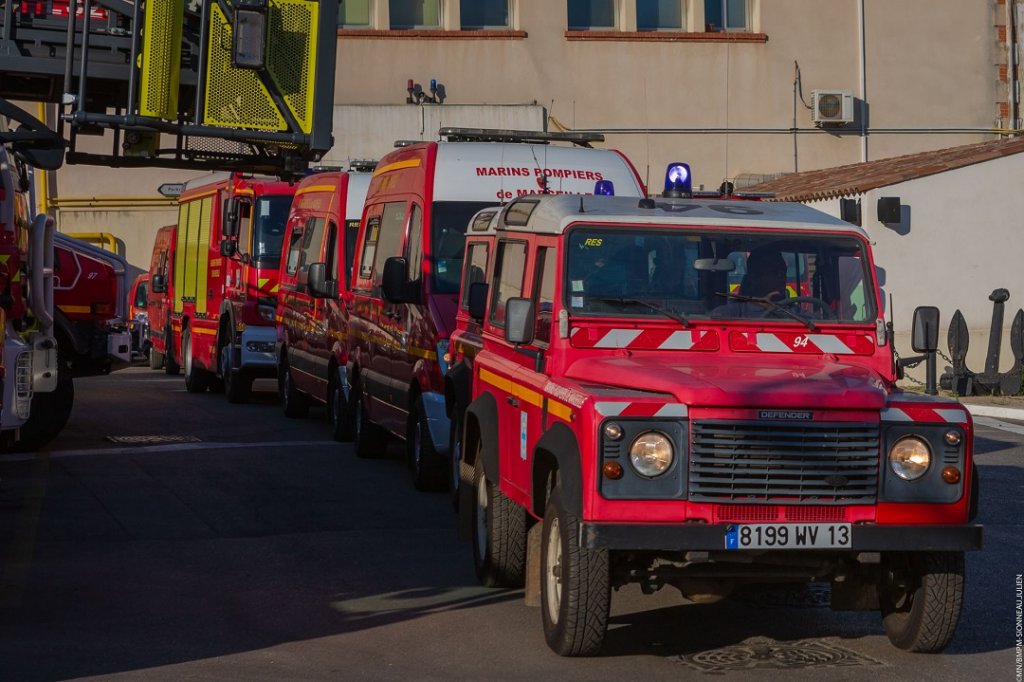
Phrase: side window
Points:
(481, 14)
(354, 13)
(659, 15)
(312, 242)
(475, 269)
(351, 235)
(389, 238)
(405, 14)
(369, 247)
(544, 292)
(161, 267)
(244, 226)
(508, 278)
(588, 15)
(295, 246)
(331, 255)
(414, 245)
(726, 15)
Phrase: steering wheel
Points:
(825, 308)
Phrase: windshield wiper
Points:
(667, 312)
(767, 302)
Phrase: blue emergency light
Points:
(678, 181)
(604, 188)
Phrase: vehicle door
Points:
(413, 324)
(311, 337)
(533, 418)
(497, 370)
(384, 366)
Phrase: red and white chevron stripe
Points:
(948, 413)
(626, 408)
(644, 339)
(789, 342)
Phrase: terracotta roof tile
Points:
(859, 178)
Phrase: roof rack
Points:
(523, 136)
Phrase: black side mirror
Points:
(519, 320)
(158, 284)
(394, 285)
(478, 300)
(925, 336)
(228, 248)
(317, 283)
(229, 226)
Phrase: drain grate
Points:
(152, 440)
(767, 654)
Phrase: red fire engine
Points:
(225, 281)
(63, 308)
(633, 420)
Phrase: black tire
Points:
(237, 381)
(171, 365)
(339, 412)
(49, 412)
(156, 358)
(575, 584)
(370, 439)
(499, 534)
(920, 597)
(196, 380)
(425, 463)
(293, 401)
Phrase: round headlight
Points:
(909, 458)
(651, 454)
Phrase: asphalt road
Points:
(261, 550)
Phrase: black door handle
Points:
(512, 401)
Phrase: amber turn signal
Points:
(951, 475)
(612, 470)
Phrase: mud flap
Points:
(533, 550)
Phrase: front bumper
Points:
(257, 345)
(710, 537)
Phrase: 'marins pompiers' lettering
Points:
(525, 172)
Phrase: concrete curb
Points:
(995, 411)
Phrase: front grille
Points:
(767, 513)
(807, 463)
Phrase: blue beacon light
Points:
(604, 188)
(678, 181)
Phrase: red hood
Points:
(724, 381)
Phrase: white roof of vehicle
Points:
(553, 214)
(502, 171)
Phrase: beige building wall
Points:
(722, 102)
(956, 243)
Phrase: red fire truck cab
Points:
(230, 231)
(663, 429)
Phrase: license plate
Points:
(788, 536)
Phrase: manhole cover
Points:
(152, 440)
(768, 654)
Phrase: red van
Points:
(315, 298)
(409, 262)
(159, 299)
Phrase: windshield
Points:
(718, 274)
(448, 241)
(268, 229)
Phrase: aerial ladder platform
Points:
(236, 85)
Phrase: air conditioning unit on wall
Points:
(831, 107)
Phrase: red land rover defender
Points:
(664, 429)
